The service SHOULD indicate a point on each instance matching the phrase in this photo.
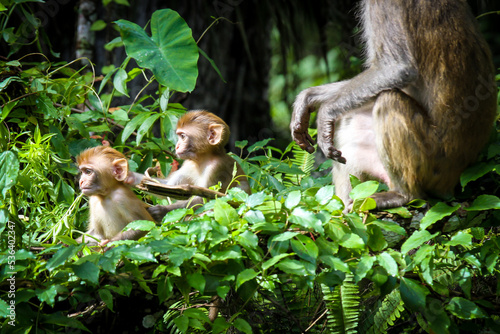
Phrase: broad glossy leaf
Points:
(376, 239)
(292, 199)
(437, 212)
(365, 264)
(485, 202)
(307, 219)
(170, 53)
(284, 236)
(224, 213)
(197, 281)
(120, 81)
(305, 248)
(388, 263)
(245, 276)
(364, 190)
(141, 225)
(180, 254)
(351, 240)
(87, 271)
(256, 199)
(47, 295)
(325, 194)
(231, 253)
(461, 238)
(417, 239)
(140, 253)
(60, 257)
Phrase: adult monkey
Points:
(419, 113)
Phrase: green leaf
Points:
(389, 226)
(293, 199)
(413, 294)
(325, 194)
(305, 248)
(170, 53)
(365, 264)
(134, 124)
(120, 81)
(141, 225)
(364, 190)
(180, 254)
(351, 240)
(47, 295)
(224, 213)
(401, 211)
(474, 172)
(98, 25)
(60, 257)
(255, 199)
(231, 253)
(284, 236)
(87, 271)
(106, 297)
(465, 309)
(248, 240)
(146, 126)
(197, 281)
(245, 276)
(485, 202)
(307, 219)
(9, 171)
(165, 288)
(182, 323)
(275, 259)
(388, 263)
(417, 239)
(140, 253)
(242, 326)
(376, 239)
(461, 238)
(437, 212)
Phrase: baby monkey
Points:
(112, 204)
(201, 140)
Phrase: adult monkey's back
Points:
(420, 112)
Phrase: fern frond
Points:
(303, 160)
(342, 304)
(169, 317)
(388, 311)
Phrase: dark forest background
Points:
(257, 45)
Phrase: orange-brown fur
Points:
(112, 204)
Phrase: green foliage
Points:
(342, 305)
(284, 259)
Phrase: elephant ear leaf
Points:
(170, 53)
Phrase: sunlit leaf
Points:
(437, 212)
(485, 202)
(245, 276)
(465, 309)
(170, 53)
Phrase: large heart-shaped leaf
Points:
(170, 53)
